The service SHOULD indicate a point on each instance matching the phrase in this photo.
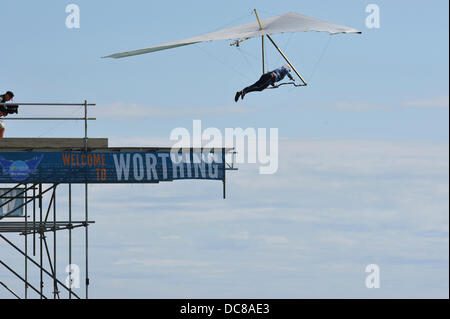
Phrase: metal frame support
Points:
(70, 241)
(224, 181)
(40, 227)
(262, 43)
(39, 224)
(237, 43)
(85, 104)
(287, 60)
(26, 245)
(37, 264)
(21, 278)
(10, 290)
(86, 203)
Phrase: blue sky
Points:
(364, 148)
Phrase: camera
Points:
(9, 109)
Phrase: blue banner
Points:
(109, 167)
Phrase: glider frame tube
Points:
(262, 43)
(282, 54)
(287, 60)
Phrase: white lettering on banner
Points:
(151, 162)
(122, 167)
(164, 164)
(143, 166)
(138, 167)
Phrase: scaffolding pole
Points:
(39, 224)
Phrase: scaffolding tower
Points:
(35, 198)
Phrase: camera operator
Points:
(4, 111)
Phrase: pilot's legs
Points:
(264, 81)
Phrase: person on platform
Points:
(4, 111)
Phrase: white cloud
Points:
(140, 141)
(171, 237)
(436, 102)
(275, 239)
(356, 106)
(239, 236)
(439, 102)
(126, 111)
(163, 263)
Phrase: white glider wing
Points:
(289, 22)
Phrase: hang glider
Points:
(289, 22)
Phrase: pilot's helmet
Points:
(288, 67)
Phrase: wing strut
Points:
(287, 60)
(262, 43)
